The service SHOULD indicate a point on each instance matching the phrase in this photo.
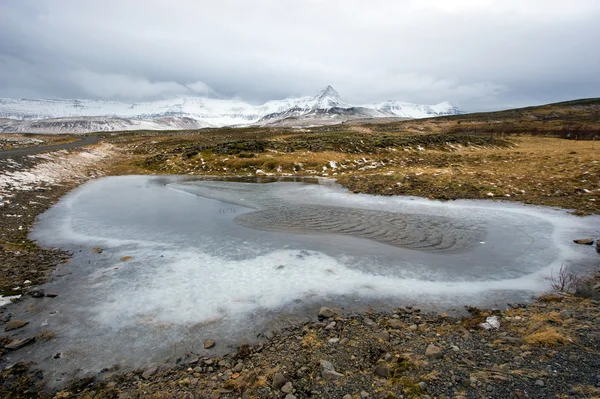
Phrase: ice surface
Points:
(212, 259)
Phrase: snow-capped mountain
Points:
(80, 116)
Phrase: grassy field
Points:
(540, 155)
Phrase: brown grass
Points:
(548, 337)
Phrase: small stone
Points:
(413, 327)
(489, 388)
(382, 335)
(344, 341)
(382, 370)
(51, 295)
(573, 358)
(333, 340)
(433, 351)
(278, 381)
(209, 343)
(347, 396)
(364, 394)
(326, 312)
(15, 324)
(287, 388)
(330, 326)
(37, 293)
(395, 323)
(238, 367)
(328, 371)
(539, 383)
(150, 371)
(584, 241)
(209, 362)
(423, 385)
(290, 396)
(369, 322)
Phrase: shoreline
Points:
(181, 381)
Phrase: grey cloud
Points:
(484, 54)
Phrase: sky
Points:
(477, 54)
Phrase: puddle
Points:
(184, 260)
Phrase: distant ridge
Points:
(83, 116)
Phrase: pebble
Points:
(209, 343)
(333, 340)
(287, 388)
(382, 371)
(330, 326)
(328, 372)
(394, 323)
(539, 383)
(238, 367)
(150, 371)
(433, 351)
(573, 358)
(423, 385)
(326, 312)
(290, 396)
(15, 324)
(382, 335)
(37, 293)
(347, 396)
(364, 394)
(278, 381)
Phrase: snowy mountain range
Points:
(82, 116)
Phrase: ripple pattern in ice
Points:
(413, 231)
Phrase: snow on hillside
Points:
(78, 116)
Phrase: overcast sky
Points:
(477, 54)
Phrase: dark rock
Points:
(15, 324)
(573, 358)
(37, 293)
(423, 385)
(584, 241)
(278, 381)
(209, 343)
(383, 371)
(51, 295)
(326, 312)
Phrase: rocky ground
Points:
(548, 349)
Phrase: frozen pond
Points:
(218, 259)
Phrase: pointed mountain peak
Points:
(329, 92)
